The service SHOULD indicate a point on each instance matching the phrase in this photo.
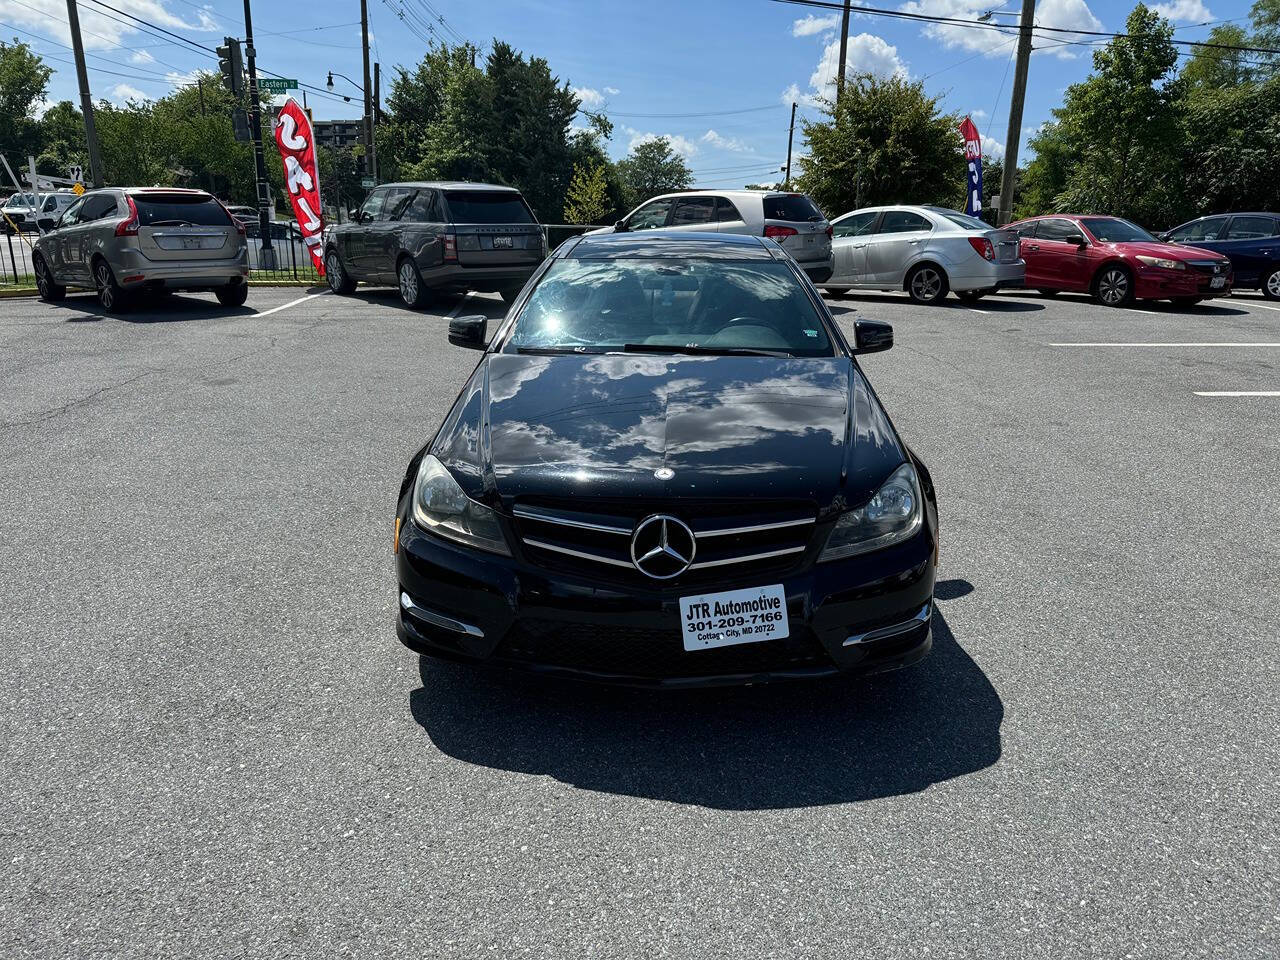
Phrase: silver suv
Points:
(792, 219)
(122, 240)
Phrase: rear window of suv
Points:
(483, 206)
(791, 206)
(178, 209)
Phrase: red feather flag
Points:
(297, 143)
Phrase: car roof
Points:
(664, 244)
(451, 185)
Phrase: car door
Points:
(1029, 250)
(68, 268)
(1251, 243)
(382, 239)
(1198, 233)
(693, 214)
(849, 238)
(729, 218)
(893, 245)
(1060, 265)
(420, 226)
(652, 215)
(354, 241)
(98, 211)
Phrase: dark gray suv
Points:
(447, 236)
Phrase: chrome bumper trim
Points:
(437, 619)
(893, 630)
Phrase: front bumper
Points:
(1155, 283)
(862, 614)
(991, 276)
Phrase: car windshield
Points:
(21, 200)
(961, 219)
(1114, 230)
(483, 206)
(671, 306)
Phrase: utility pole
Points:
(1025, 23)
(86, 100)
(790, 135)
(844, 49)
(266, 254)
(369, 160)
(377, 113)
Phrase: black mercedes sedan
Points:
(668, 469)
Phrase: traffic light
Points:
(240, 125)
(231, 66)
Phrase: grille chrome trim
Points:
(747, 558)
(580, 554)
(894, 629)
(757, 528)
(566, 522)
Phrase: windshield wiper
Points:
(708, 351)
(562, 348)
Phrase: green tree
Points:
(588, 197)
(1214, 68)
(24, 79)
(1231, 138)
(652, 167)
(62, 143)
(1122, 126)
(885, 142)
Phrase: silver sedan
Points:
(926, 251)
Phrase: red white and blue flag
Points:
(973, 161)
(297, 144)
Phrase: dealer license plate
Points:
(1217, 283)
(502, 243)
(733, 616)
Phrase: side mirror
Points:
(1163, 237)
(1076, 238)
(353, 216)
(872, 336)
(620, 226)
(468, 331)
(46, 224)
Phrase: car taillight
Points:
(450, 243)
(983, 247)
(830, 231)
(129, 226)
(780, 233)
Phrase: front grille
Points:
(653, 654)
(1212, 268)
(732, 539)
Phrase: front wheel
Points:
(1271, 285)
(233, 295)
(110, 297)
(412, 292)
(339, 280)
(1113, 287)
(927, 284)
(49, 291)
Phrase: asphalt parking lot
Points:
(215, 747)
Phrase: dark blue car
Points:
(1251, 240)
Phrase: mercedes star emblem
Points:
(664, 473)
(662, 547)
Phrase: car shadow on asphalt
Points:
(1208, 309)
(987, 304)
(439, 304)
(768, 747)
(170, 309)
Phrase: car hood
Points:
(1168, 251)
(601, 425)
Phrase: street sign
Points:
(273, 85)
(78, 189)
(366, 182)
(76, 173)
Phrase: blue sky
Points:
(717, 76)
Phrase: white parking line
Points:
(291, 303)
(1268, 343)
(1261, 306)
(1237, 393)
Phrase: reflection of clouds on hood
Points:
(517, 443)
(507, 382)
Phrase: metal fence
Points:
(293, 263)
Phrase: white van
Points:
(20, 213)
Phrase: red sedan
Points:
(1117, 262)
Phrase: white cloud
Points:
(866, 53)
(808, 26)
(681, 145)
(725, 143)
(1190, 11)
(588, 96)
(122, 93)
(1064, 14)
(141, 56)
(612, 91)
(991, 147)
(977, 114)
(105, 30)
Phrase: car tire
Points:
(110, 297)
(1113, 286)
(233, 294)
(1046, 292)
(408, 278)
(835, 291)
(927, 284)
(336, 275)
(1271, 285)
(50, 292)
(972, 296)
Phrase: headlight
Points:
(440, 506)
(1162, 263)
(894, 514)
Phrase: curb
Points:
(12, 294)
